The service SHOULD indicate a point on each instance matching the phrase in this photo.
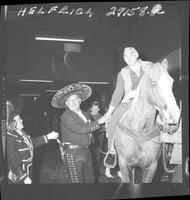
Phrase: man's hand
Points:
(108, 116)
(52, 135)
(109, 113)
(166, 137)
(102, 120)
(27, 180)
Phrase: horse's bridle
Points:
(166, 126)
(162, 106)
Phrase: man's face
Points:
(130, 56)
(19, 124)
(95, 109)
(73, 102)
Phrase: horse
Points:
(137, 140)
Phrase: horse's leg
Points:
(124, 168)
(148, 173)
(108, 173)
(119, 174)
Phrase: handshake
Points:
(102, 120)
(52, 135)
(106, 118)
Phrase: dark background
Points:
(100, 59)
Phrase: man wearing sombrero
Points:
(76, 129)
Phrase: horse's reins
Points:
(163, 106)
(154, 89)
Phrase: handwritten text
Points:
(113, 11)
(122, 11)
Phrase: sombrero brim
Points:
(59, 99)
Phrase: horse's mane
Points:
(136, 98)
(151, 73)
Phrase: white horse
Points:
(138, 134)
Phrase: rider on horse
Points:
(127, 82)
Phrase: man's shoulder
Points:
(67, 114)
(12, 137)
(126, 68)
(85, 113)
(124, 73)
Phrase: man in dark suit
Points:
(76, 132)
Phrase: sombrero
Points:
(59, 99)
(9, 109)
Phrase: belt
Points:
(74, 146)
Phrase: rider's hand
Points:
(172, 138)
(108, 116)
(165, 137)
(132, 94)
(109, 113)
(52, 135)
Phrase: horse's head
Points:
(160, 94)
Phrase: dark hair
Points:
(95, 103)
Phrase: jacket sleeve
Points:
(14, 158)
(39, 141)
(72, 125)
(118, 92)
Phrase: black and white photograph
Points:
(94, 100)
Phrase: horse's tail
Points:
(164, 160)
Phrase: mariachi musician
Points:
(76, 132)
(20, 147)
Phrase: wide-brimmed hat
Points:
(84, 91)
(9, 109)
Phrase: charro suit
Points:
(20, 155)
(77, 132)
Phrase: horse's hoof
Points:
(109, 175)
(119, 174)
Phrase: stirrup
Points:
(110, 160)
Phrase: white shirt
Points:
(82, 116)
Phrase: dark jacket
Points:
(20, 154)
(75, 130)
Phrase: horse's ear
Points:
(165, 63)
